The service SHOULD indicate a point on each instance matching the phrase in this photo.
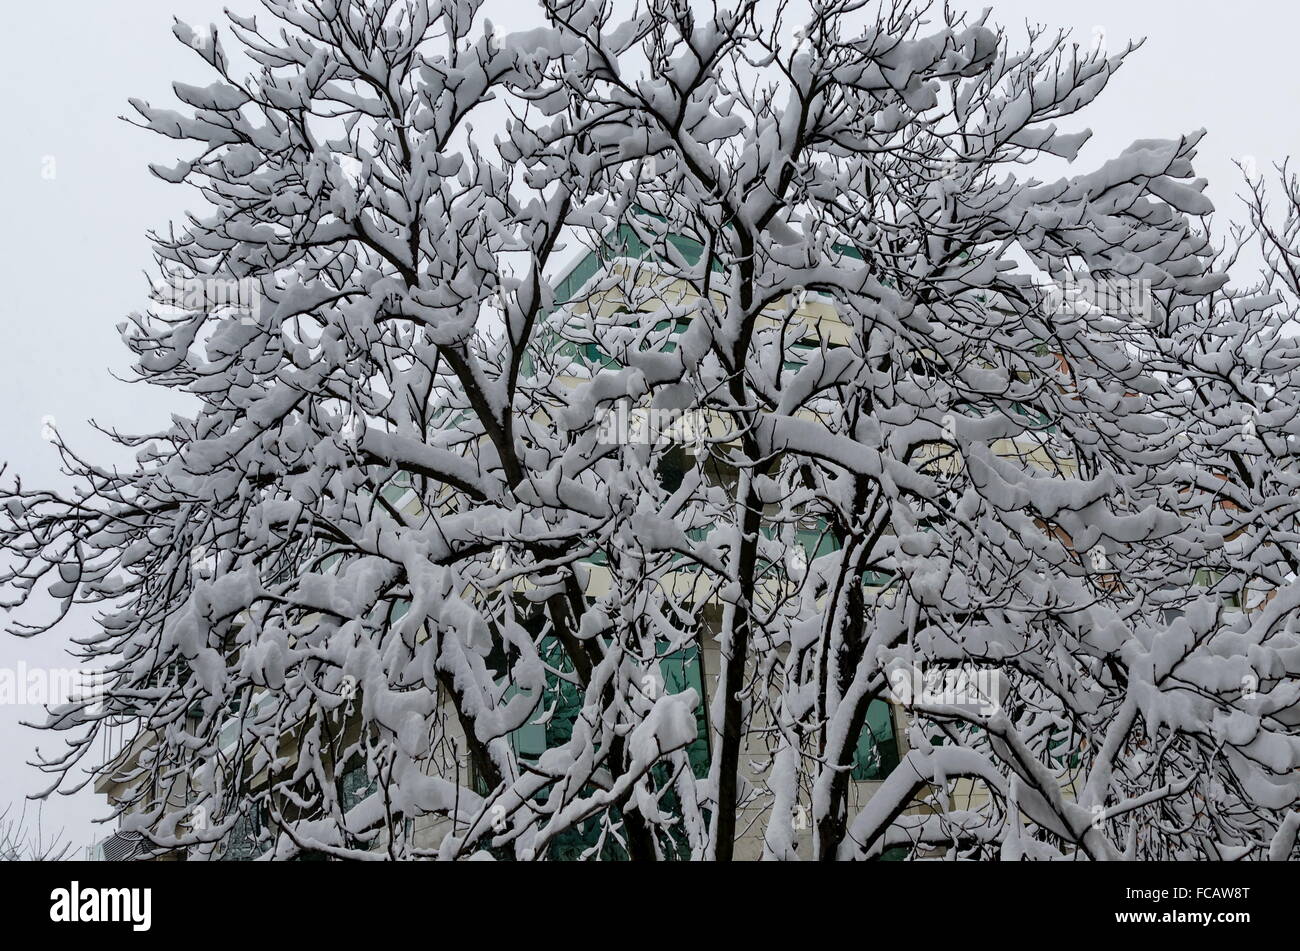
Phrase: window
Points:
(682, 669)
(679, 670)
(529, 741)
(1213, 581)
(355, 785)
(671, 468)
(1068, 755)
(877, 752)
(247, 839)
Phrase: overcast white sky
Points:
(73, 247)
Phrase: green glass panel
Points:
(355, 786)
(877, 751)
(529, 740)
(682, 669)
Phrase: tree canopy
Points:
(958, 405)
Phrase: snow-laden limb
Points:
(919, 769)
(402, 583)
(1284, 840)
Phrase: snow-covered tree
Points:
(23, 838)
(943, 415)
